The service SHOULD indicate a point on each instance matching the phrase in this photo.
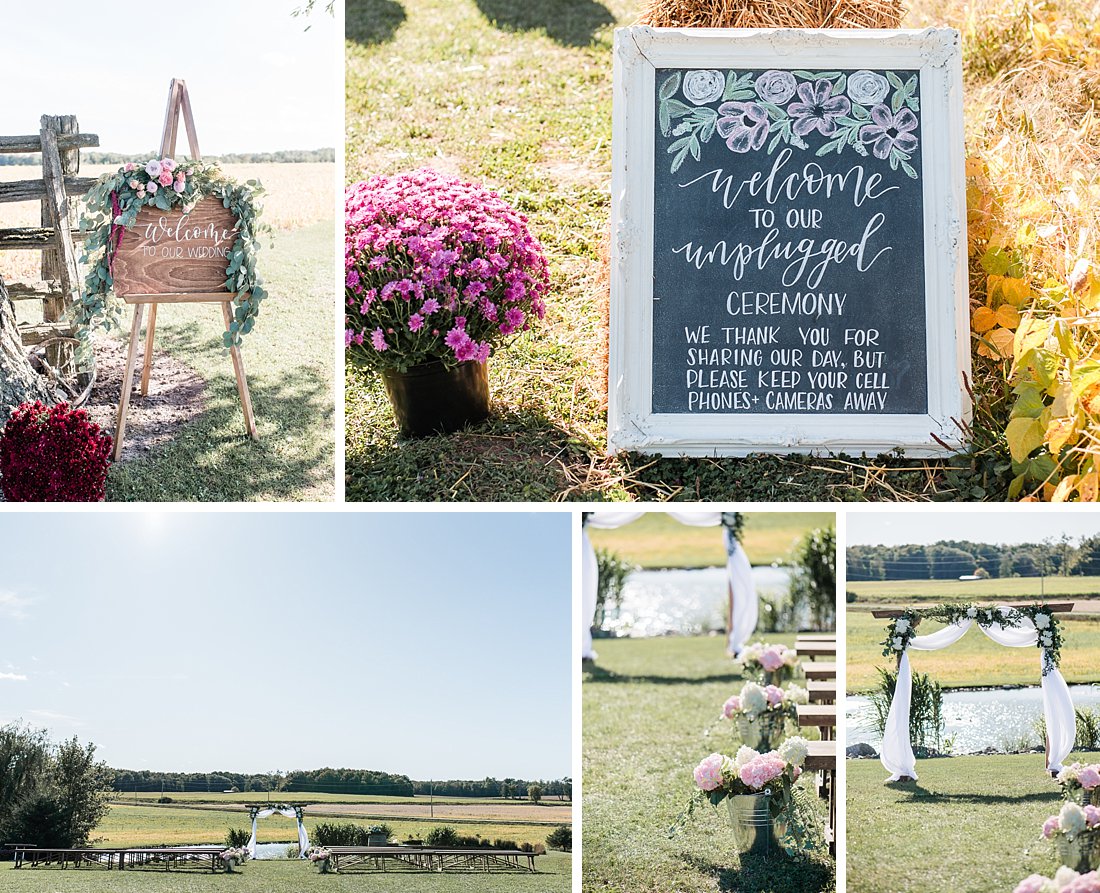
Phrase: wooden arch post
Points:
(179, 105)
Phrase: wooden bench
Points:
(168, 858)
(821, 692)
(30, 856)
(815, 649)
(818, 670)
(822, 758)
(438, 859)
(818, 716)
(815, 637)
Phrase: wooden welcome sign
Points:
(788, 263)
(172, 257)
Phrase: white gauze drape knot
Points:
(291, 813)
(897, 750)
(744, 604)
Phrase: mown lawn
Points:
(517, 95)
(646, 707)
(969, 823)
(655, 540)
(975, 660)
(127, 825)
(289, 363)
(552, 875)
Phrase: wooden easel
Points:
(178, 101)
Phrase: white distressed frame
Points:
(632, 425)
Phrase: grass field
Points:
(975, 660)
(1015, 588)
(656, 540)
(419, 801)
(553, 873)
(288, 360)
(646, 707)
(969, 823)
(127, 825)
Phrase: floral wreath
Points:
(901, 630)
(113, 204)
(773, 107)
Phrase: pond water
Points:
(273, 850)
(977, 719)
(689, 602)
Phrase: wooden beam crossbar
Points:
(1053, 607)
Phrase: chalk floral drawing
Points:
(759, 111)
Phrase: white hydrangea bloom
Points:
(971, 612)
(796, 694)
(1042, 621)
(790, 657)
(899, 643)
(794, 751)
(1072, 818)
(1064, 876)
(1069, 773)
(743, 755)
(902, 625)
(753, 699)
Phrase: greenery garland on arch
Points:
(112, 206)
(901, 630)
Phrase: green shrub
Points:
(561, 838)
(925, 708)
(339, 834)
(442, 836)
(609, 593)
(237, 837)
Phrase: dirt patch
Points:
(562, 165)
(177, 396)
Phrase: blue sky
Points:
(1017, 525)
(432, 644)
(259, 82)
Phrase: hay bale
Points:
(773, 13)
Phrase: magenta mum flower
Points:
(743, 125)
(889, 131)
(817, 109)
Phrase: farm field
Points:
(975, 661)
(637, 774)
(888, 592)
(989, 808)
(658, 541)
(322, 797)
(127, 825)
(553, 873)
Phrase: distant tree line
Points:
(286, 156)
(951, 559)
(333, 781)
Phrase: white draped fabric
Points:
(289, 812)
(744, 608)
(897, 750)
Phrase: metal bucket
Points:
(1081, 853)
(1092, 796)
(755, 831)
(778, 677)
(762, 732)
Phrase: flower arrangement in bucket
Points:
(1081, 783)
(1075, 835)
(768, 811)
(232, 857)
(439, 273)
(320, 857)
(774, 664)
(164, 184)
(378, 835)
(761, 712)
(1065, 880)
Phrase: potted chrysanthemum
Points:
(768, 812)
(772, 664)
(760, 713)
(438, 274)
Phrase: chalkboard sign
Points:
(787, 272)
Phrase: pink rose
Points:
(708, 774)
(732, 706)
(775, 695)
(178, 186)
(1050, 826)
(168, 164)
(152, 168)
(130, 166)
(181, 177)
(165, 178)
(771, 659)
(1031, 884)
(134, 184)
(1089, 778)
(152, 187)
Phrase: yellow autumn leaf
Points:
(997, 344)
(1030, 333)
(992, 287)
(1089, 487)
(1024, 435)
(1008, 316)
(1015, 290)
(1064, 401)
(983, 320)
(1059, 432)
(1065, 488)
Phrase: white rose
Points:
(1048, 639)
(1072, 818)
(701, 87)
(902, 625)
(971, 612)
(775, 87)
(867, 87)
(794, 751)
(899, 643)
(1042, 621)
(753, 699)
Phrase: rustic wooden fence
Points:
(60, 142)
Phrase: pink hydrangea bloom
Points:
(1089, 778)
(1050, 826)
(774, 694)
(758, 771)
(708, 774)
(1092, 815)
(771, 659)
(1031, 884)
(731, 707)
(1085, 883)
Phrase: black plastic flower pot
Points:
(431, 399)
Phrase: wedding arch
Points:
(293, 812)
(743, 607)
(1015, 626)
